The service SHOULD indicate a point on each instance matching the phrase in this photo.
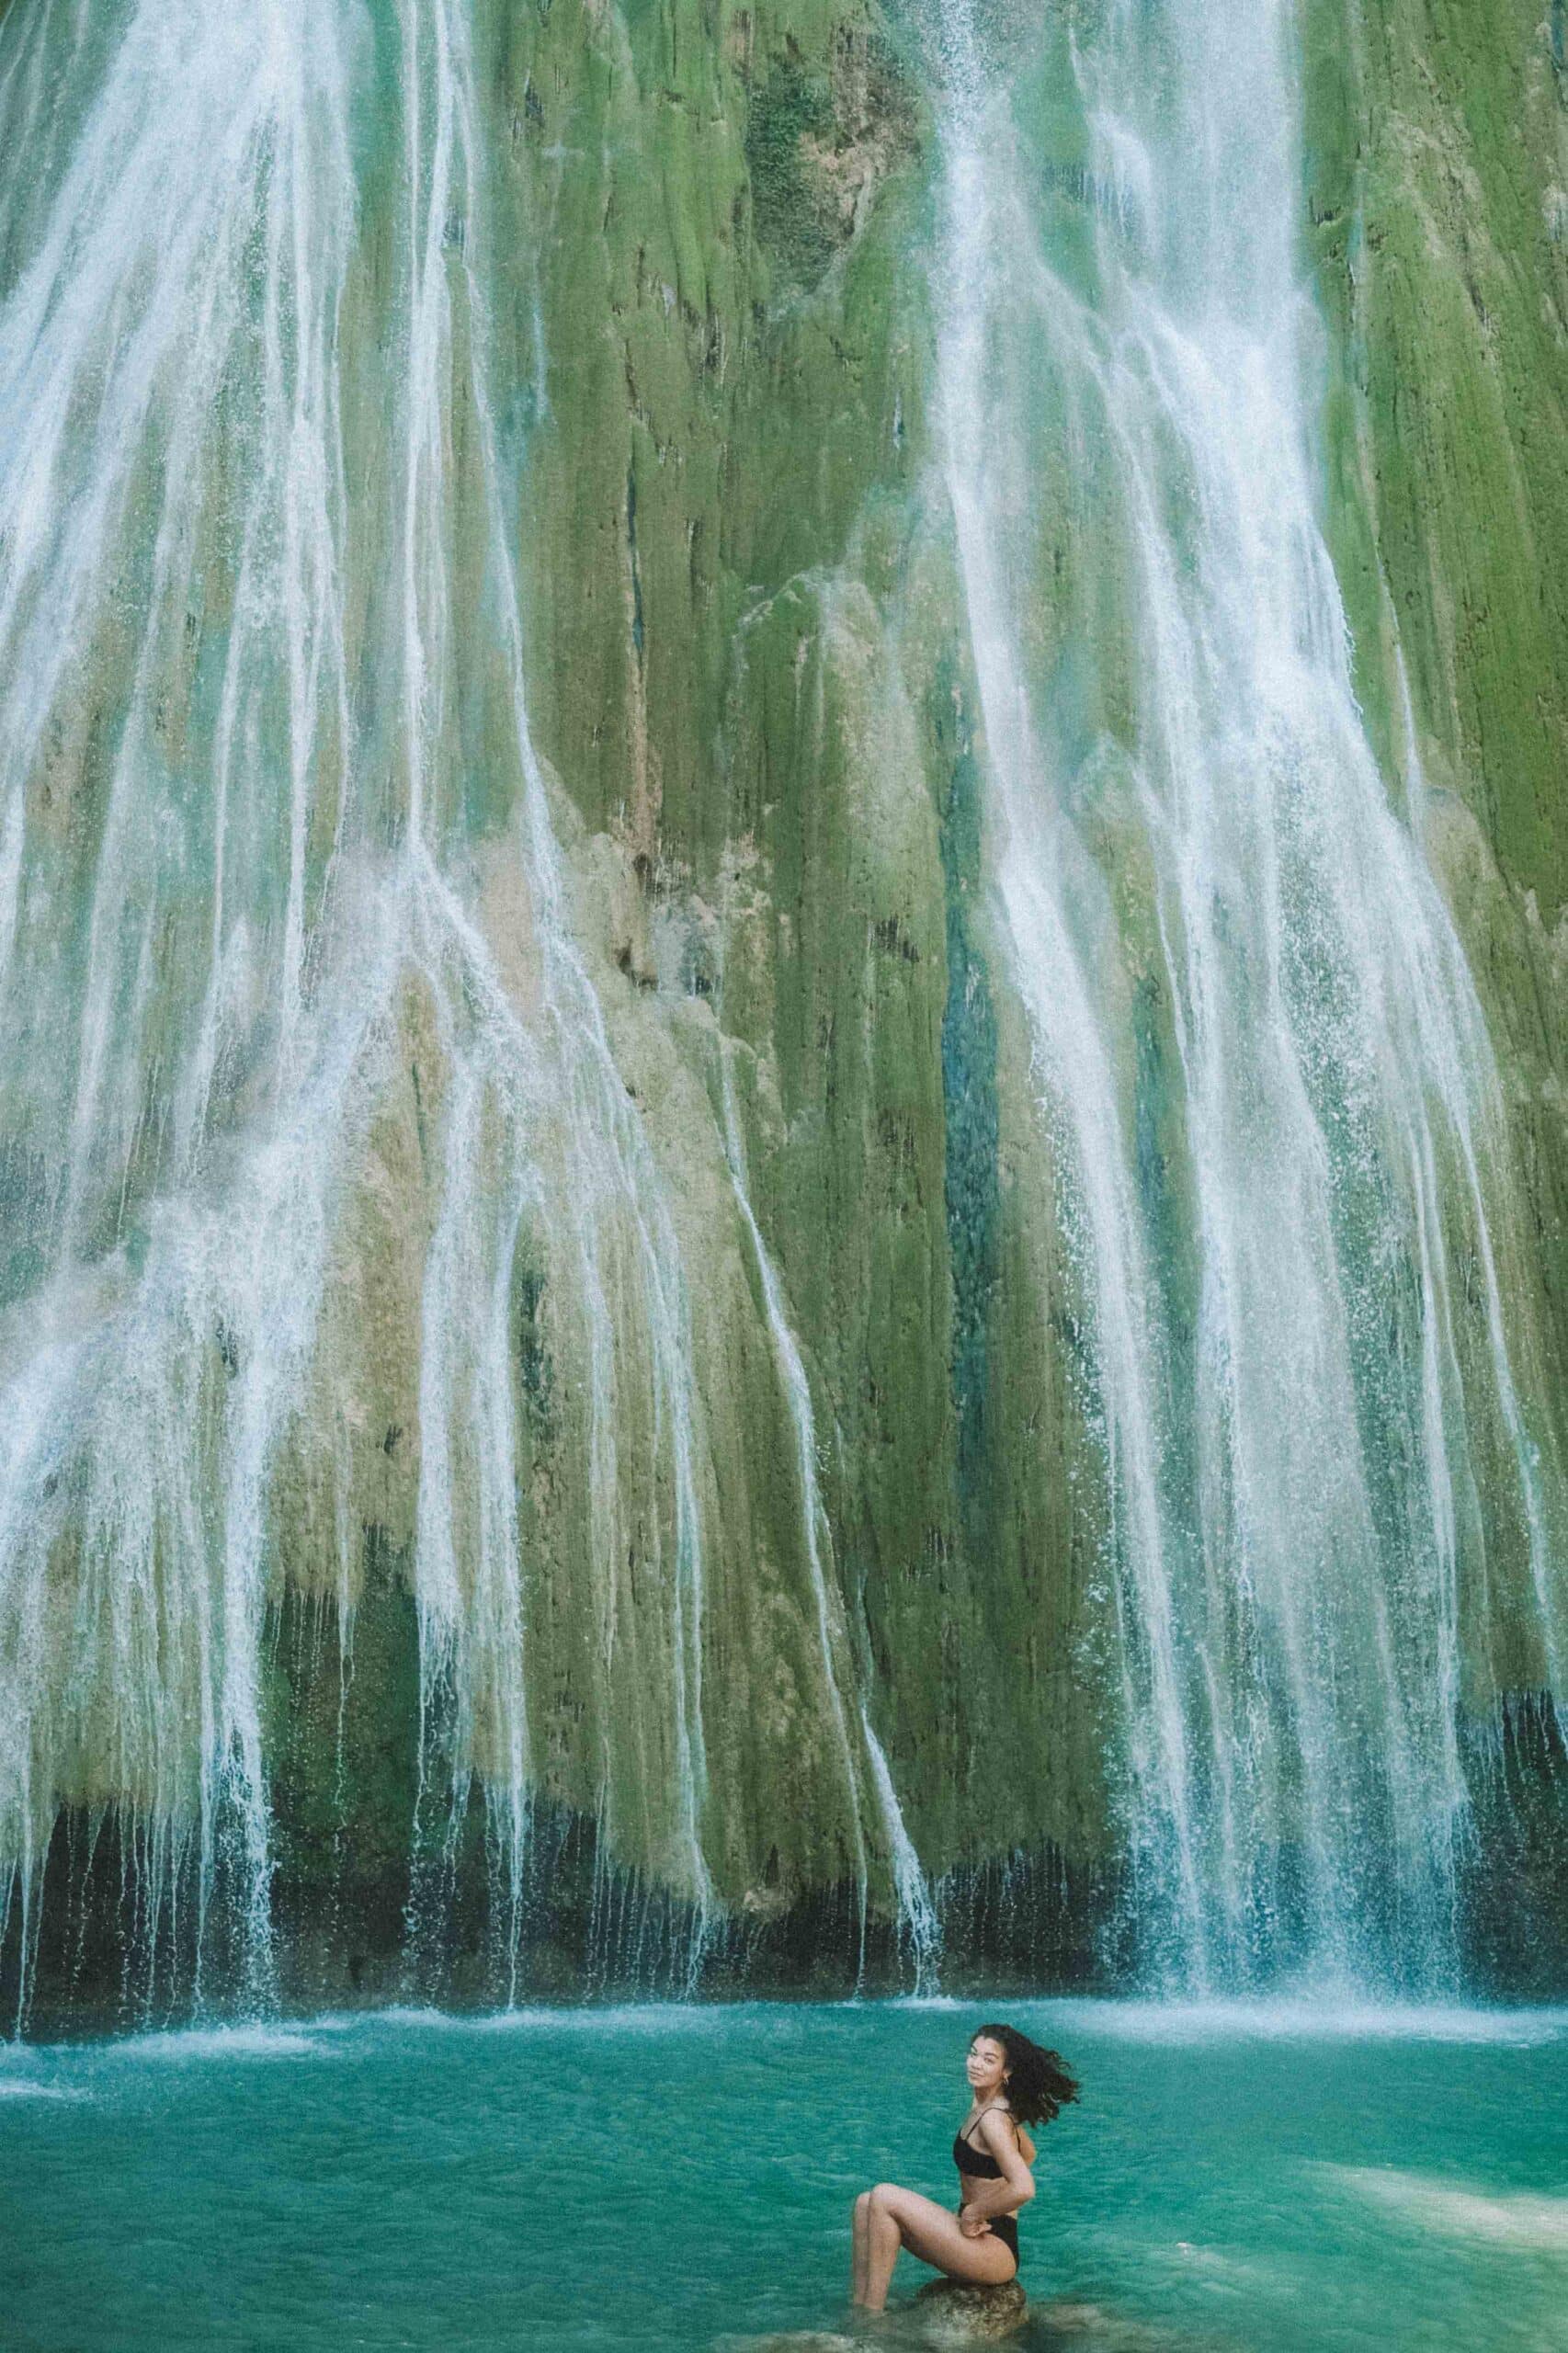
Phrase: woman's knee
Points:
(862, 2205)
(884, 2197)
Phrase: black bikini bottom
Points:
(1004, 2228)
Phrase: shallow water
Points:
(1275, 2180)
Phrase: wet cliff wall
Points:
(1437, 158)
(710, 232)
(748, 684)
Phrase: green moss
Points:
(1437, 147)
(790, 207)
(972, 1182)
(342, 1733)
(1438, 156)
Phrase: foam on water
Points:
(218, 2045)
(1325, 2020)
(570, 2018)
(1522, 2219)
(1065, 2021)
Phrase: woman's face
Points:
(985, 2067)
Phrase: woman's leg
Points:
(902, 2218)
(862, 2244)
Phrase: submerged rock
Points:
(954, 2311)
(1089, 2328)
(792, 2340)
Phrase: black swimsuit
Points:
(980, 2166)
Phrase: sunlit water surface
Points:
(673, 2178)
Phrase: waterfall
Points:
(376, 1254)
(282, 896)
(1264, 1079)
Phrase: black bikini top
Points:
(980, 2163)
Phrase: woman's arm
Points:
(1017, 2185)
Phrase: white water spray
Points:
(280, 772)
(1285, 1210)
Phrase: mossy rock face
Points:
(817, 147)
(746, 652)
(1437, 162)
(952, 2311)
(1064, 2327)
(1436, 156)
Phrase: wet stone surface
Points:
(953, 2312)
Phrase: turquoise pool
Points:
(1279, 2181)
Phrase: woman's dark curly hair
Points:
(1038, 2081)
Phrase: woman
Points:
(1012, 2082)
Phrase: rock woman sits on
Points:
(1013, 2082)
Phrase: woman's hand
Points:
(972, 2225)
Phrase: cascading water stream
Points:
(1265, 1073)
(286, 779)
(919, 1930)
